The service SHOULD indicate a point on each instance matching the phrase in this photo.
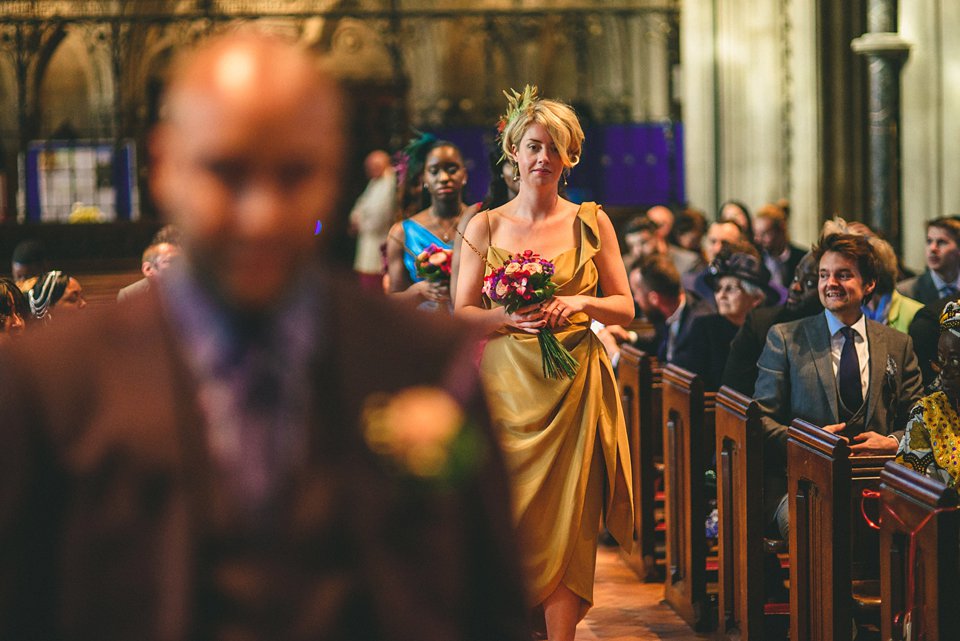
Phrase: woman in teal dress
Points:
(444, 176)
(564, 440)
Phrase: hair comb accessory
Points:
(950, 318)
(40, 304)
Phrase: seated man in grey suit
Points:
(839, 370)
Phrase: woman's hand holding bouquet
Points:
(521, 285)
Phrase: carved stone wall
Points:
(95, 68)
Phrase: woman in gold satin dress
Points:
(564, 440)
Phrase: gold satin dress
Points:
(565, 441)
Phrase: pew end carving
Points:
(638, 375)
(831, 547)
(688, 439)
(920, 591)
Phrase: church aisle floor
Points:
(628, 610)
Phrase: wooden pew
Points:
(824, 489)
(639, 377)
(739, 446)
(915, 506)
(688, 437)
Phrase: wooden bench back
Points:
(830, 544)
(688, 445)
(739, 446)
(915, 506)
(639, 377)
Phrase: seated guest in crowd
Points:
(29, 260)
(741, 283)
(740, 371)
(53, 289)
(942, 276)
(686, 261)
(640, 239)
(157, 257)
(688, 230)
(887, 305)
(13, 309)
(850, 375)
(736, 211)
(771, 236)
(924, 330)
(931, 440)
(719, 232)
(655, 284)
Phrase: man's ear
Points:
(147, 269)
(868, 288)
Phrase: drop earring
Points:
(516, 172)
(565, 174)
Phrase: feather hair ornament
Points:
(517, 103)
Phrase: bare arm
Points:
(615, 307)
(468, 215)
(400, 284)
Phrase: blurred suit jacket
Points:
(111, 529)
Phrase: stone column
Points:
(885, 51)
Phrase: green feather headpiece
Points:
(517, 103)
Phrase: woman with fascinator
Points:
(444, 176)
(740, 282)
(931, 441)
(564, 439)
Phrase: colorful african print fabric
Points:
(931, 442)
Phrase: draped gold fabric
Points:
(565, 440)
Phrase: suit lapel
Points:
(877, 345)
(819, 337)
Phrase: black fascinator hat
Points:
(747, 267)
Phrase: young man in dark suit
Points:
(253, 449)
(942, 276)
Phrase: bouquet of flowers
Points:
(434, 263)
(526, 279)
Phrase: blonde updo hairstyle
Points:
(557, 118)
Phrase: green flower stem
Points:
(557, 361)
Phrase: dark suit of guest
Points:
(921, 288)
(740, 371)
(116, 526)
(796, 380)
(706, 350)
(660, 343)
(789, 266)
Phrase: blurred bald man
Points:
(251, 449)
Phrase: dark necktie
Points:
(848, 374)
(948, 291)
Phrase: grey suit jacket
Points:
(796, 380)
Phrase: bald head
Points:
(376, 163)
(246, 159)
